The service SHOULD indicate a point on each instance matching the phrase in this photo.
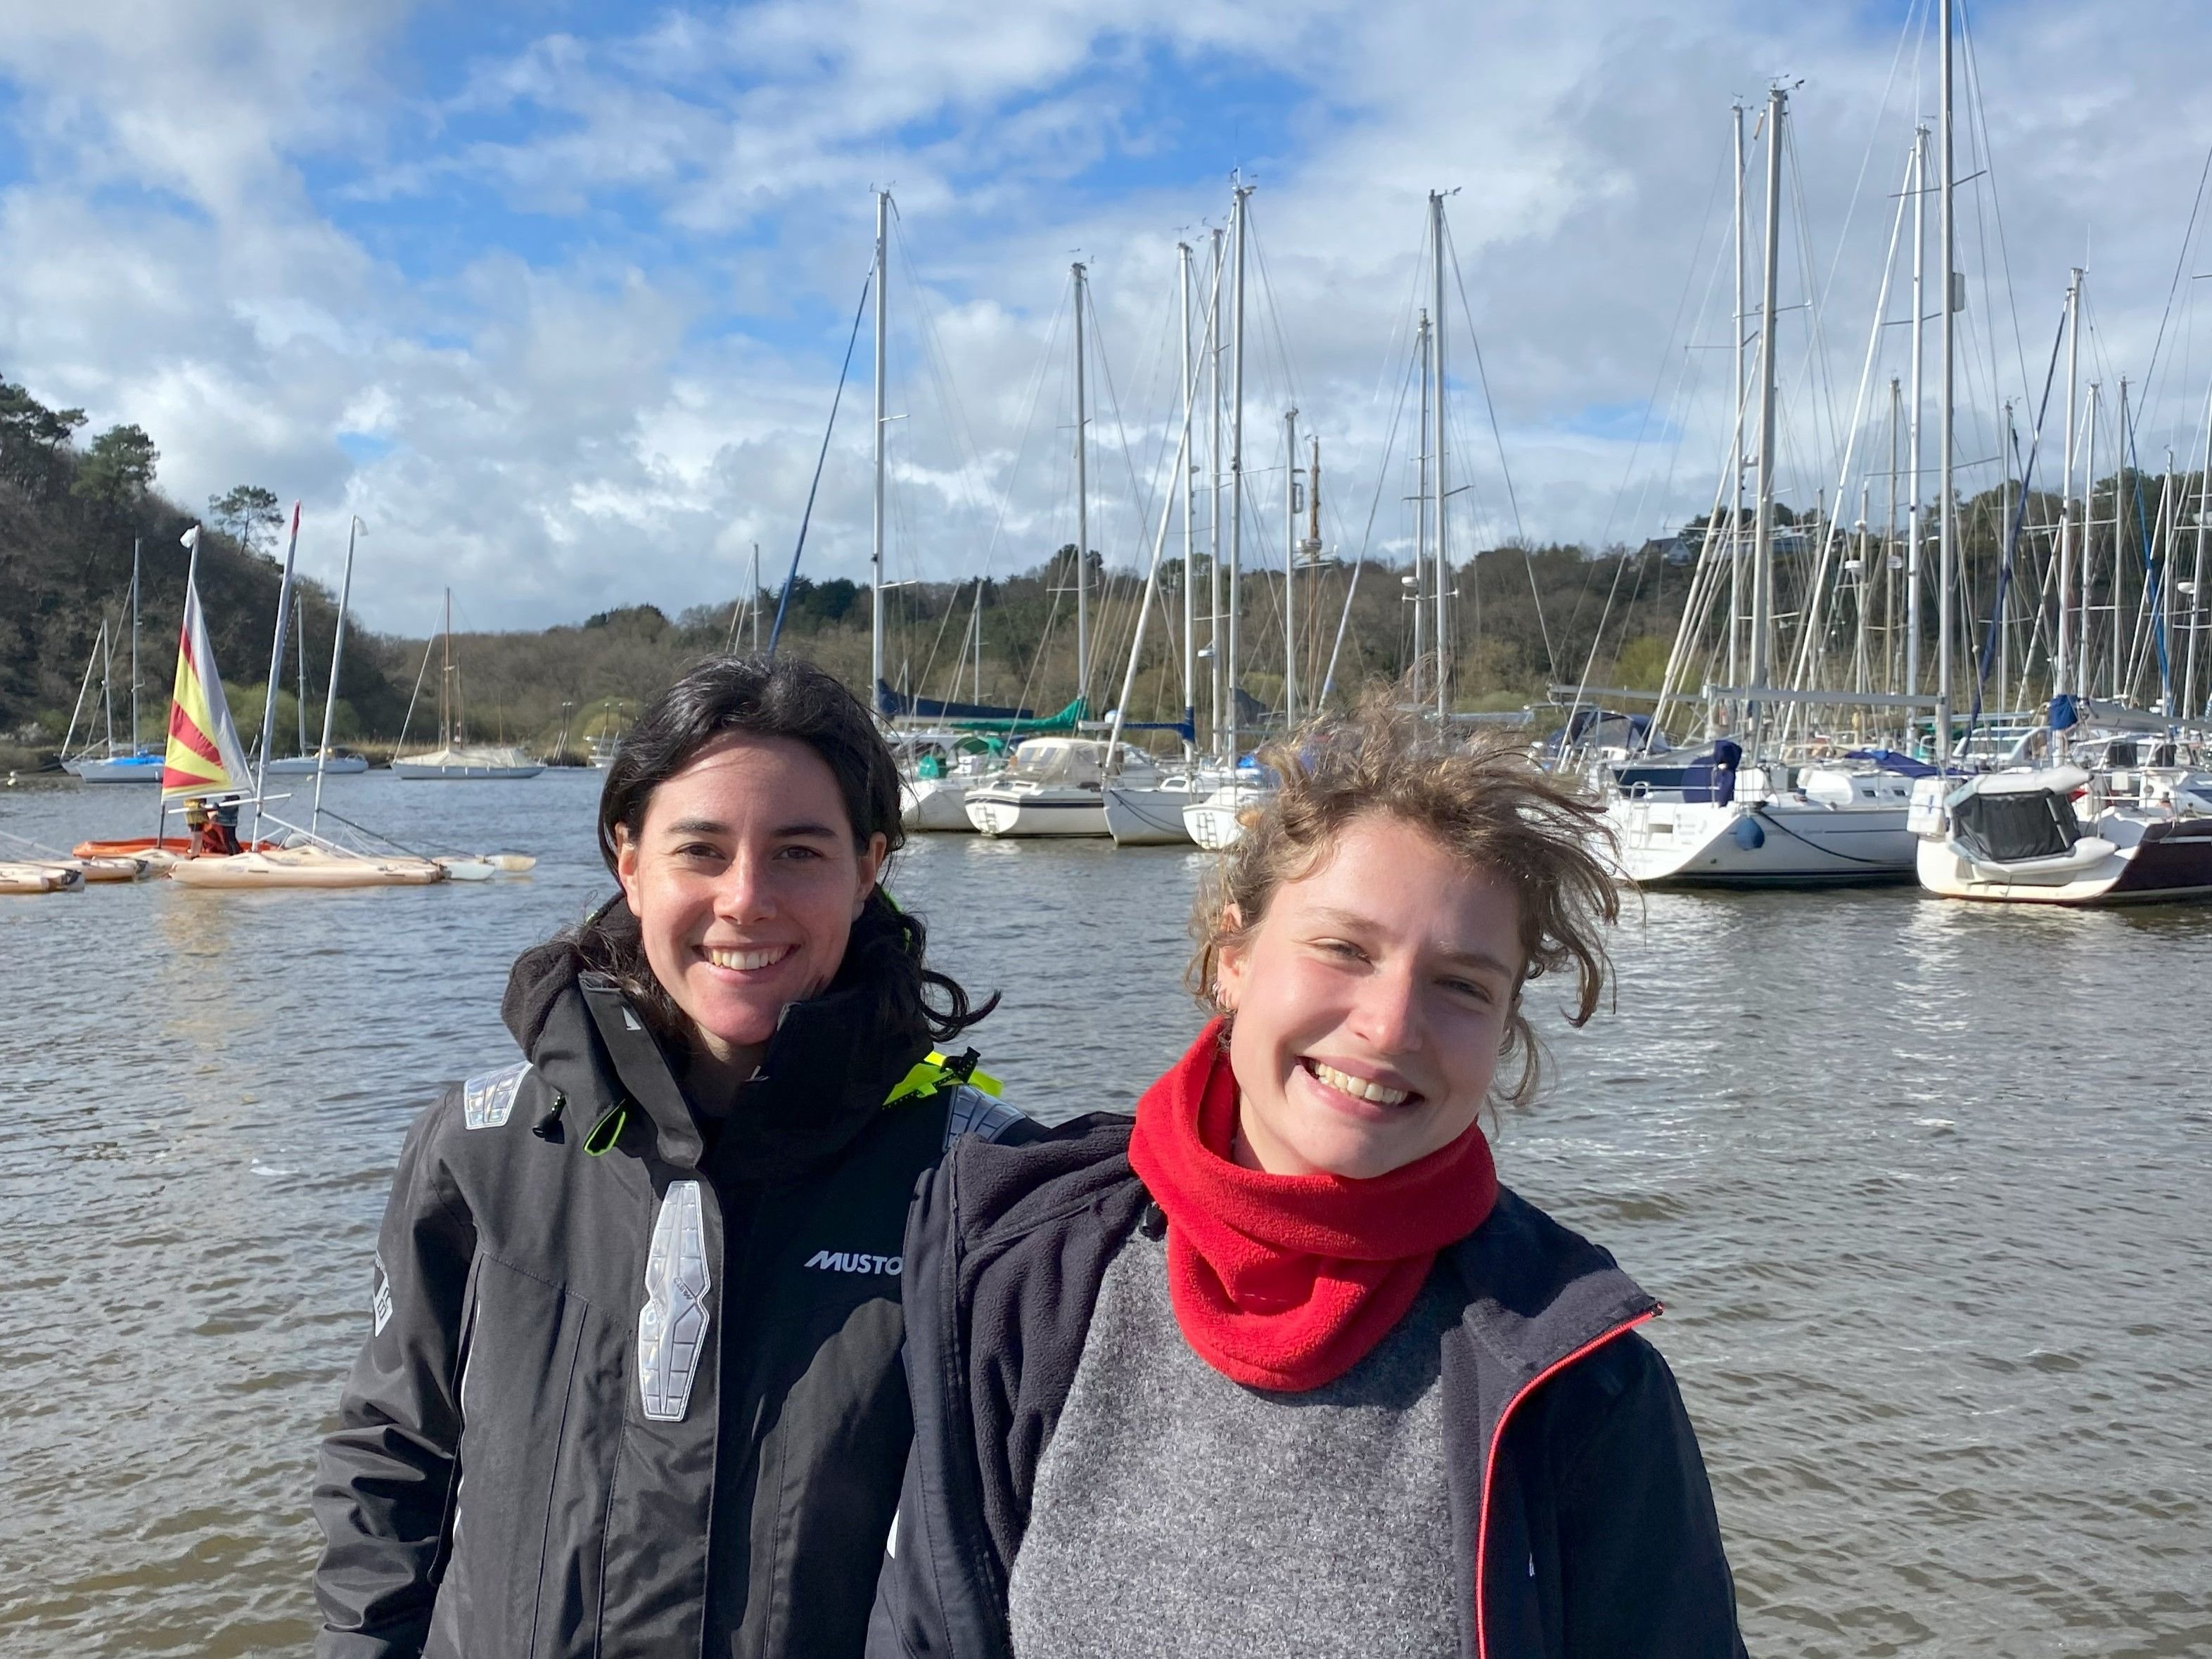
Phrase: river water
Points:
(1923, 1185)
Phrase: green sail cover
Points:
(1066, 720)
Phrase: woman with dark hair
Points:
(1279, 1366)
(633, 1384)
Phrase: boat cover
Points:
(2005, 829)
(901, 705)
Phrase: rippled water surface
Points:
(1923, 1185)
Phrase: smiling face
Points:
(746, 884)
(1370, 1002)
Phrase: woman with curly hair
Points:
(1279, 1366)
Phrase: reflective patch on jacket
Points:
(974, 1113)
(672, 1326)
(380, 1297)
(488, 1102)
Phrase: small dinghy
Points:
(39, 878)
(304, 867)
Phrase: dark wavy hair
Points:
(771, 697)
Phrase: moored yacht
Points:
(1055, 787)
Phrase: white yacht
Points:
(2062, 834)
(1712, 825)
(1153, 814)
(1217, 822)
(1055, 787)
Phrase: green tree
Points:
(118, 469)
(244, 512)
(32, 435)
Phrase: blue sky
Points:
(553, 295)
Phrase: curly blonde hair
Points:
(1481, 798)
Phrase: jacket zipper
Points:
(1490, 1463)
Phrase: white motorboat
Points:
(2057, 834)
(1829, 824)
(1055, 786)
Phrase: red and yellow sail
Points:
(204, 756)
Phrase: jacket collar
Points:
(828, 1067)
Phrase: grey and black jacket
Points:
(633, 1386)
(1579, 1502)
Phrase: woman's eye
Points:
(1343, 948)
(698, 849)
(797, 853)
(1467, 987)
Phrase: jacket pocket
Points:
(518, 1391)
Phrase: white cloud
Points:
(229, 227)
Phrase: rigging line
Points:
(2180, 265)
(1143, 501)
(783, 602)
(1978, 107)
(1497, 436)
(970, 495)
(1381, 480)
(1873, 136)
(1658, 379)
(1274, 311)
(2020, 518)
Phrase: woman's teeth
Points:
(1359, 1088)
(748, 960)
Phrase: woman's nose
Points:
(745, 892)
(1387, 1013)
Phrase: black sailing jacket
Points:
(647, 1400)
(1578, 1499)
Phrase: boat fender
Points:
(1748, 835)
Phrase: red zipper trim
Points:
(1490, 1463)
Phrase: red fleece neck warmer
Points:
(1285, 1282)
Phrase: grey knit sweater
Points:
(1176, 1512)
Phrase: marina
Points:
(1925, 1207)
(1873, 631)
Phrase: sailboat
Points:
(1740, 811)
(136, 764)
(307, 762)
(454, 758)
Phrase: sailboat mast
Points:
(2088, 528)
(1235, 466)
(107, 650)
(2189, 706)
(1946, 517)
(446, 676)
(1762, 570)
(134, 644)
(337, 659)
(2062, 667)
(1082, 500)
(876, 540)
(300, 651)
(1443, 548)
(1916, 524)
(1735, 451)
(275, 675)
(1217, 664)
(757, 599)
(2120, 537)
(1421, 511)
(1189, 594)
(1291, 566)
